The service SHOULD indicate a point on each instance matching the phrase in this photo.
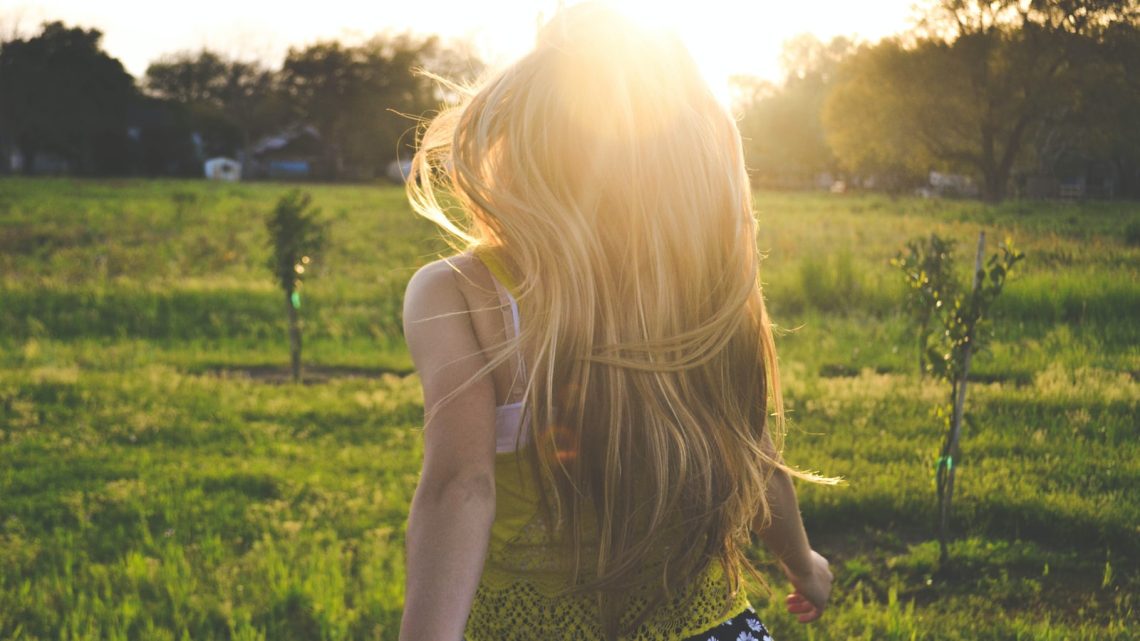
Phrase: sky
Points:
(725, 37)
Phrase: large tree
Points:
(1102, 129)
(783, 134)
(364, 98)
(61, 93)
(232, 102)
(1119, 130)
(967, 92)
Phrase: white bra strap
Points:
(514, 309)
(505, 294)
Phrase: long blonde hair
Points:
(606, 176)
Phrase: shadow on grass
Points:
(310, 374)
(839, 370)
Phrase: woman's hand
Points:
(813, 588)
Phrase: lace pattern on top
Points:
(521, 610)
(521, 593)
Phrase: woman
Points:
(596, 359)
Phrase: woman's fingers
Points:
(797, 604)
(809, 617)
(805, 610)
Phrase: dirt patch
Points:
(1018, 379)
(833, 370)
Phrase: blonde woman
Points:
(602, 406)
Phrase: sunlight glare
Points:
(703, 29)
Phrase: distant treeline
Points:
(1033, 98)
(339, 111)
(989, 98)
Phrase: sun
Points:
(703, 29)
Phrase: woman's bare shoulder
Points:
(447, 285)
(463, 272)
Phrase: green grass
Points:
(159, 481)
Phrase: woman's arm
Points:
(454, 504)
(785, 537)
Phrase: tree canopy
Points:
(68, 105)
(359, 97)
(61, 93)
(232, 102)
(1015, 95)
(1008, 93)
(979, 88)
(781, 126)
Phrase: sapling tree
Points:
(937, 302)
(929, 267)
(296, 235)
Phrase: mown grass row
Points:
(187, 313)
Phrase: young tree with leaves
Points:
(934, 295)
(296, 235)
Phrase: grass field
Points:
(158, 480)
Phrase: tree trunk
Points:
(922, 336)
(29, 158)
(1125, 177)
(1004, 167)
(942, 479)
(993, 188)
(294, 337)
(945, 470)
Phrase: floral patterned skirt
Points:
(745, 626)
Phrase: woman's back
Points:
(523, 590)
(600, 180)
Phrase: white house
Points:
(226, 169)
